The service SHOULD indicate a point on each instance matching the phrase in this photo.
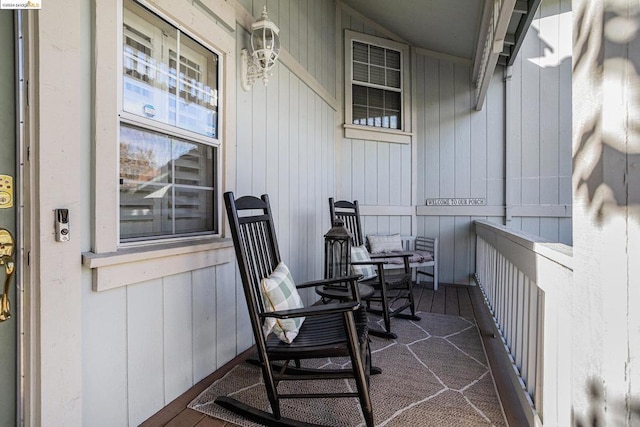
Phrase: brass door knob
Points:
(7, 248)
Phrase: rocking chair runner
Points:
(330, 330)
(391, 285)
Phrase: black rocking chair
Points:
(391, 285)
(329, 330)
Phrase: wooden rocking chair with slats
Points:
(329, 330)
(394, 287)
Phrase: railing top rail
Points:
(557, 252)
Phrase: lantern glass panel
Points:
(337, 258)
(337, 251)
(257, 42)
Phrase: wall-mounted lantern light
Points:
(265, 48)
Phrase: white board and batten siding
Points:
(459, 156)
(539, 104)
(147, 343)
(148, 339)
(285, 133)
(460, 153)
(377, 174)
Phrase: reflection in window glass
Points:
(376, 107)
(166, 185)
(376, 86)
(158, 86)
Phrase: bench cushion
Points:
(417, 257)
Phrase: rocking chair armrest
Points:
(372, 262)
(391, 255)
(352, 278)
(314, 310)
(380, 262)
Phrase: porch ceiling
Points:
(445, 26)
(484, 33)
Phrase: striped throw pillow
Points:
(279, 293)
(360, 253)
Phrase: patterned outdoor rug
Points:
(434, 374)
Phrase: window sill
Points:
(133, 265)
(377, 134)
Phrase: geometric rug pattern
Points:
(434, 374)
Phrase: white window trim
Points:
(369, 132)
(106, 251)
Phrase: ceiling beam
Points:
(444, 56)
(502, 10)
(523, 27)
(510, 39)
(487, 9)
(521, 7)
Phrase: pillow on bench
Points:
(384, 244)
(380, 244)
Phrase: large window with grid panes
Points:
(168, 138)
(376, 95)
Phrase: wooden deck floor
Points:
(448, 299)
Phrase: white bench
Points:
(421, 245)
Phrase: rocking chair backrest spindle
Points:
(350, 214)
(256, 247)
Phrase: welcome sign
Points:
(457, 202)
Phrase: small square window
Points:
(375, 70)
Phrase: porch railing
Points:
(526, 284)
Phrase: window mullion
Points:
(177, 101)
(368, 66)
(376, 86)
(173, 189)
